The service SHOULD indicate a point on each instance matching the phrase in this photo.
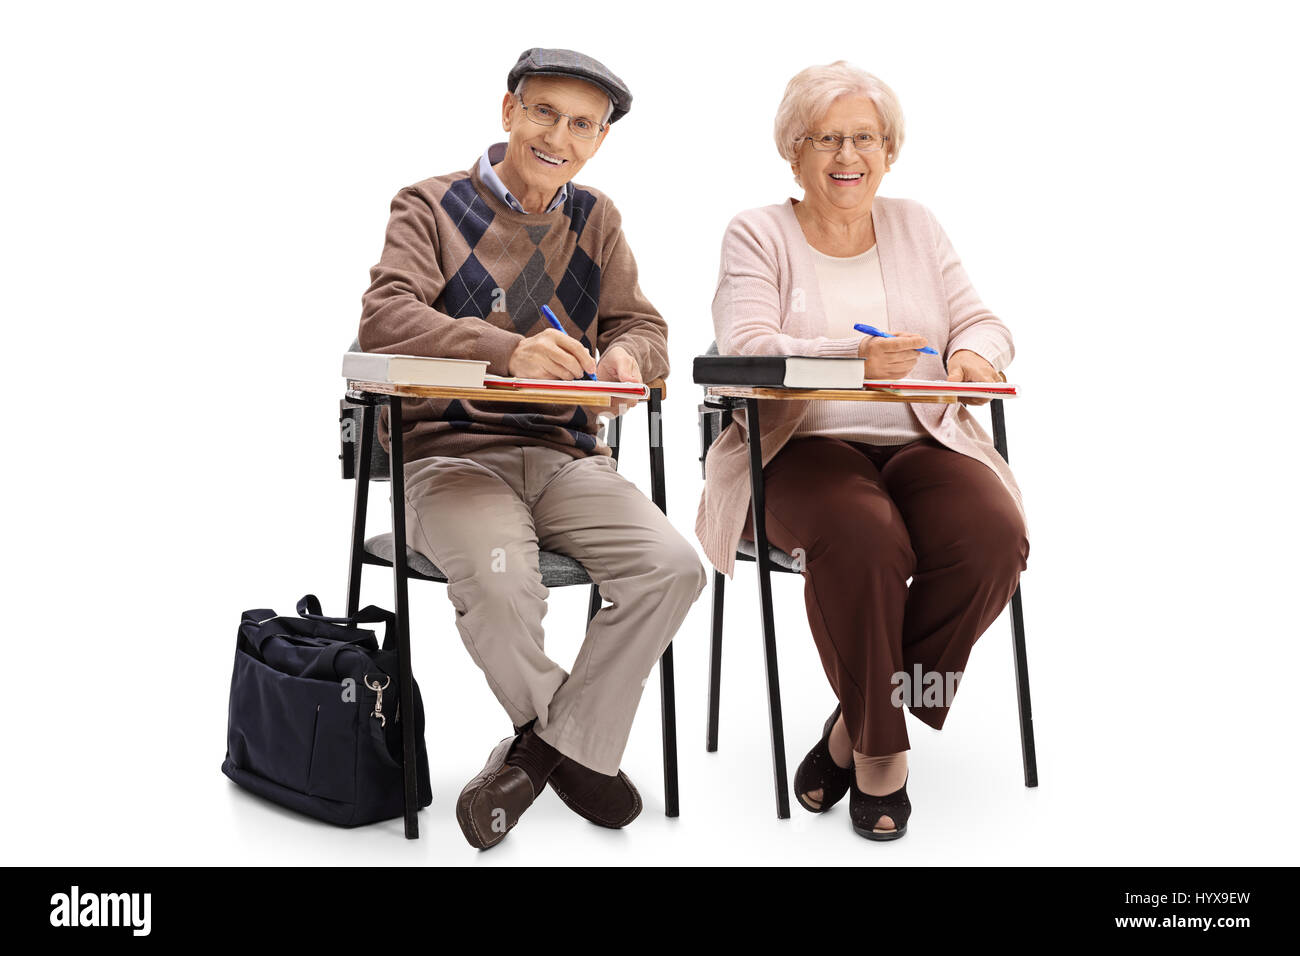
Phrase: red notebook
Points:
(922, 386)
(577, 384)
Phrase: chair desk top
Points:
(822, 394)
(538, 396)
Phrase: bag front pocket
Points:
(333, 768)
(273, 721)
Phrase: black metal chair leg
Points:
(1027, 751)
(667, 686)
(405, 682)
(360, 502)
(613, 431)
(753, 433)
(715, 662)
(668, 710)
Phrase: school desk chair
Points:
(715, 414)
(364, 460)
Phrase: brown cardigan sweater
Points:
(463, 275)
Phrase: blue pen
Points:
(555, 323)
(872, 330)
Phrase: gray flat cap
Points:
(576, 65)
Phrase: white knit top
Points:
(853, 290)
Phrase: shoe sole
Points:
(881, 836)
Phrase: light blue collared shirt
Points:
(494, 154)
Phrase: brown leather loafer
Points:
(492, 803)
(603, 800)
(606, 801)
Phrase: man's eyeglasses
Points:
(579, 126)
(864, 141)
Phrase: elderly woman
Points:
(875, 494)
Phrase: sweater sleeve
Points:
(397, 313)
(747, 304)
(625, 316)
(971, 325)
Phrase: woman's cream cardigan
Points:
(767, 302)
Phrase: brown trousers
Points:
(868, 517)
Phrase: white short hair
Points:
(609, 110)
(810, 93)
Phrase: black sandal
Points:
(866, 810)
(819, 771)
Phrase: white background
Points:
(193, 197)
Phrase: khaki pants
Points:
(482, 520)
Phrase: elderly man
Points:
(469, 260)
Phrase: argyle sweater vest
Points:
(463, 275)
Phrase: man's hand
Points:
(550, 354)
(967, 366)
(617, 365)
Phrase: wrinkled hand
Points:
(617, 365)
(550, 354)
(967, 366)
(890, 357)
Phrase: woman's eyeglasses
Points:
(864, 141)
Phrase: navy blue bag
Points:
(314, 716)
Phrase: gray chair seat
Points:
(558, 570)
(775, 555)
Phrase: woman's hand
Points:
(890, 358)
(967, 366)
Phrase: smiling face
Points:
(541, 159)
(844, 181)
